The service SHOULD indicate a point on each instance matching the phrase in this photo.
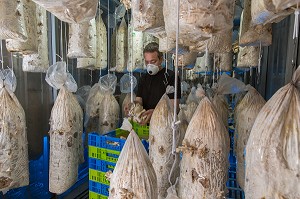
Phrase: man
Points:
(152, 85)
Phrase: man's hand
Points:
(147, 116)
(127, 108)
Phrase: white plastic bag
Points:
(253, 35)
(218, 43)
(125, 83)
(245, 114)
(39, 62)
(172, 193)
(31, 44)
(147, 15)
(14, 170)
(9, 79)
(204, 63)
(108, 83)
(133, 176)
(284, 4)
(272, 151)
(264, 12)
(187, 59)
(121, 47)
(224, 61)
(248, 57)
(58, 77)
(204, 164)
(109, 108)
(93, 105)
(82, 40)
(160, 141)
(135, 50)
(166, 44)
(71, 11)
(199, 20)
(12, 20)
(101, 49)
(66, 151)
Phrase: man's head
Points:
(152, 55)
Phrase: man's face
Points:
(152, 58)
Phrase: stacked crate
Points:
(104, 151)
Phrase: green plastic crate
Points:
(141, 131)
(104, 154)
(93, 195)
(121, 132)
(98, 176)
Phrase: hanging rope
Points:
(12, 67)
(176, 81)
(130, 34)
(259, 63)
(296, 23)
(175, 122)
(108, 33)
(214, 69)
(2, 64)
(61, 41)
(66, 48)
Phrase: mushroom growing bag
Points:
(66, 146)
(248, 57)
(135, 50)
(253, 35)
(245, 114)
(272, 151)
(199, 20)
(39, 62)
(82, 40)
(204, 164)
(147, 15)
(93, 106)
(160, 144)
(264, 11)
(121, 47)
(133, 176)
(31, 44)
(12, 20)
(14, 168)
(109, 108)
(71, 11)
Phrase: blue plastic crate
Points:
(94, 140)
(107, 141)
(101, 165)
(99, 188)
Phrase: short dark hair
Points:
(153, 47)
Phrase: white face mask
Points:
(152, 69)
